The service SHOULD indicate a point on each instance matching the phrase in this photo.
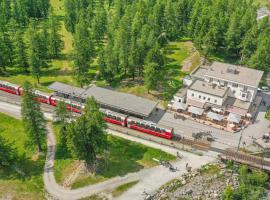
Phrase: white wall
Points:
(236, 92)
(205, 97)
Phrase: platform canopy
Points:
(234, 118)
(195, 110)
(215, 116)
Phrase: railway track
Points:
(176, 142)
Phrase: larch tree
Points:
(62, 115)
(87, 137)
(8, 154)
(83, 52)
(32, 116)
(20, 49)
(151, 76)
(55, 42)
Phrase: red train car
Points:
(42, 97)
(114, 117)
(149, 128)
(70, 105)
(10, 88)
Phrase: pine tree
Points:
(99, 24)
(21, 56)
(261, 58)
(55, 42)
(62, 115)
(83, 52)
(71, 15)
(86, 136)
(151, 76)
(8, 154)
(32, 116)
(37, 55)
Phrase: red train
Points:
(109, 116)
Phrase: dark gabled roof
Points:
(66, 89)
(121, 101)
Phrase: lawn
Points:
(125, 157)
(29, 186)
(267, 115)
(122, 188)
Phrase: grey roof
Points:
(262, 12)
(234, 73)
(215, 116)
(231, 101)
(177, 105)
(66, 89)
(234, 118)
(195, 110)
(181, 93)
(121, 101)
(208, 88)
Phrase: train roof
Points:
(150, 123)
(9, 84)
(112, 112)
(121, 101)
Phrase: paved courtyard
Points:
(223, 139)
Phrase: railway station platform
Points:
(107, 98)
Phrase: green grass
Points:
(267, 115)
(210, 169)
(125, 157)
(122, 188)
(29, 186)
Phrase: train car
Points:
(42, 97)
(10, 88)
(70, 105)
(114, 117)
(149, 128)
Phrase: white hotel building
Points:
(222, 89)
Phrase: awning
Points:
(215, 116)
(238, 111)
(195, 103)
(179, 106)
(234, 118)
(195, 110)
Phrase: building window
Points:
(180, 100)
(235, 85)
(208, 99)
(204, 98)
(215, 101)
(243, 95)
(192, 94)
(200, 96)
(233, 91)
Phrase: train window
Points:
(143, 125)
(113, 117)
(158, 130)
(137, 123)
(152, 128)
(147, 126)
(119, 119)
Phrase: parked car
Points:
(264, 89)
